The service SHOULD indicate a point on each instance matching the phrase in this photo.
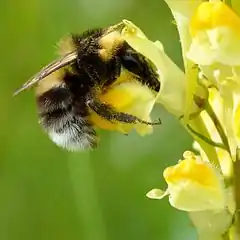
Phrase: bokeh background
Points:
(47, 193)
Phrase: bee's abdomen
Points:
(65, 125)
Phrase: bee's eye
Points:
(132, 63)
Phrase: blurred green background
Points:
(47, 193)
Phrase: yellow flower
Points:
(183, 11)
(215, 31)
(139, 100)
(174, 87)
(217, 103)
(202, 185)
(211, 225)
(128, 97)
(193, 185)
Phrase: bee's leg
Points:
(109, 113)
(114, 70)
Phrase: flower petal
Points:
(211, 225)
(157, 194)
(173, 83)
(194, 185)
(128, 97)
(215, 30)
(182, 11)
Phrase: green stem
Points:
(218, 126)
(228, 2)
(199, 126)
(205, 139)
(236, 167)
(226, 236)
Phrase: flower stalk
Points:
(207, 103)
(208, 40)
(205, 98)
(237, 190)
(218, 126)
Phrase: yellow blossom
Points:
(127, 97)
(137, 99)
(193, 185)
(182, 11)
(217, 103)
(175, 91)
(215, 31)
(173, 87)
(203, 185)
(211, 225)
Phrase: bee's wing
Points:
(50, 68)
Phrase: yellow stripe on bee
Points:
(110, 43)
(51, 81)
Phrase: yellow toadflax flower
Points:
(173, 87)
(129, 96)
(193, 185)
(196, 186)
(139, 100)
(205, 185)
(215, 48)
(215, 30)
(205, 97)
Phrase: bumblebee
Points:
(68, 89)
